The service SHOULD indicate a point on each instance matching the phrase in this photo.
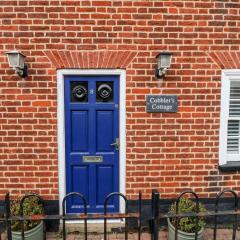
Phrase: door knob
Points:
(116, 144)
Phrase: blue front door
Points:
(92, 140)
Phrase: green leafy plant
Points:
(31, 207)
(187, 224)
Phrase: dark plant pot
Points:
(182, 235)
(33, 234)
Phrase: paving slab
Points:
(222, 234)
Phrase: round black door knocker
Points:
(104, 91)
(79, 92)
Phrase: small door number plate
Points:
(92, 158)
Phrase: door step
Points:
(112, 227)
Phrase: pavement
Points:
(222, 234)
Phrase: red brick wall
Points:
(170, 152)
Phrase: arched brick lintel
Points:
(87, 60)
(226, 59)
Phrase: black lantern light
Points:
(16, 60)
(163, 63)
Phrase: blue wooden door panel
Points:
(79, 130)
(104, 182)
(105, 131)
(80, 174)
(91, 125)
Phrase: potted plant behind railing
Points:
(186, 225)
(33, 230)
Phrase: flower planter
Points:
(182, 235)
(33, 234)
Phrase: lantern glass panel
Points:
(159, 65)
(165, 60)
(13, 59)
(21, 61)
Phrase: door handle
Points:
(116, 144)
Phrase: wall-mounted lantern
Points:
(16, 61)
(163, 63)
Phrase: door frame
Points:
(61, 126)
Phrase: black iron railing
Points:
(158, 217)
(85, 216)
